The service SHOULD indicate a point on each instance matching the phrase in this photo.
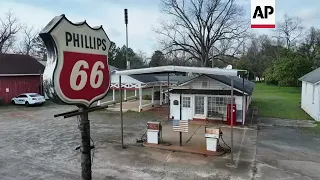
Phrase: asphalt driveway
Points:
(285, 148)
(36, 146)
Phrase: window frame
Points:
(196, 108)
(206, 86)
(186, 102)
(218, 104)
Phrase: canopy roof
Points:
(171, 69)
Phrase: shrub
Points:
(146, 97)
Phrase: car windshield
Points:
(34, 95)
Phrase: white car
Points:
(28, 99)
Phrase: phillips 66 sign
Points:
(77, 67)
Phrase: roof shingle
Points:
(237, 82)
(312, 77)
(18, 64)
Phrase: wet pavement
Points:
(287, 150)
(34, 145)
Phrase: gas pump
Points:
(154, 130)
(212, 135)
(232, 110)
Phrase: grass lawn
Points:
(283, 102)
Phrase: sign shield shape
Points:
(77, 71)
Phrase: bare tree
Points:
(199, 27)
(227, 50)
(143, 57)
(28, 43)
(9, 27)
(310, 47)
(178, 58)
(289, 30)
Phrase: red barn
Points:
(19, 74)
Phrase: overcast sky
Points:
(143, 16)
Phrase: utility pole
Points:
(126, 22)
(85, 145)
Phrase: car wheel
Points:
(12, 102)
(27, 103)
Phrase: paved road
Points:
(286, 149)
(36, 146)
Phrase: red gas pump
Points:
(234, 111)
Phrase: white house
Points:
(206, 97)
(310, 94)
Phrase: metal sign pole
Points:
(243, 99)
(180, 133)
(168, 99)
(85, 144)
(121, 117)
(232, 162)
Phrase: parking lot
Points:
(34, 145)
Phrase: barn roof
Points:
(18, 64)
(312, 77)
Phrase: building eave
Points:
(168, 69)
(5, 75)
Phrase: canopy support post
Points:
(161, 95)
(152, 96)
(140, 98)
(121, 115)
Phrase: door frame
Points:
(175, 110)
(205, 109)
(190, 114)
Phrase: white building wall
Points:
(303, 94)
(238, 102)
(310, 95)
(248, 101)
(212, 84)
(175, 110)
